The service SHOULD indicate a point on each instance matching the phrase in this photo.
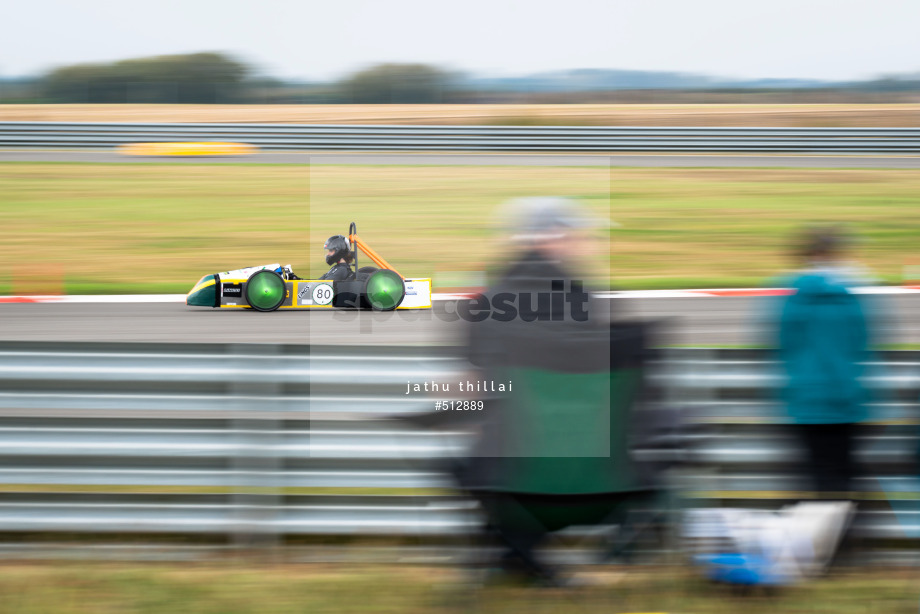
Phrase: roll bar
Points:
(370, 253)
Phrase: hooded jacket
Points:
(823, 345)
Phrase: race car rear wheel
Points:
(265, 291)
(384, 290)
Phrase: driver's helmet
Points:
(339, 244)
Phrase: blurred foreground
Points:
(241, 586)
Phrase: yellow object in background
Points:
(187, 149)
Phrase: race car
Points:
(272, 286)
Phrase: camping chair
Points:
(556, 453)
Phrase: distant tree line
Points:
(194, 78)
(209, 78)
(216, 78)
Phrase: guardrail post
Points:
(252, 390)
(683, 375)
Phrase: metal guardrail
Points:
(269, 440)
(470, 138)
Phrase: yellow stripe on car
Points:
(202, 285)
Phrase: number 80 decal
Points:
(322, 294)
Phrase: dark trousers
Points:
(829, 462)
(521, 522)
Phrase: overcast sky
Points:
(324, 39)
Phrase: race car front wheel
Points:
(265, 291)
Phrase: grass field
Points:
(236, 588)
(790, 115)
(159, 227)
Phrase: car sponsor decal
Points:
(232, 290)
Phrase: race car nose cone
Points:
(385, 290)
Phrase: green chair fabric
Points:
(569, 432)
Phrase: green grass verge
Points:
(157, 228)
(241, 587)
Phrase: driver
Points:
(340, 256)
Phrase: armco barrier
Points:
(233, 440)
(584, 139)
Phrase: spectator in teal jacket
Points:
(823, 344)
